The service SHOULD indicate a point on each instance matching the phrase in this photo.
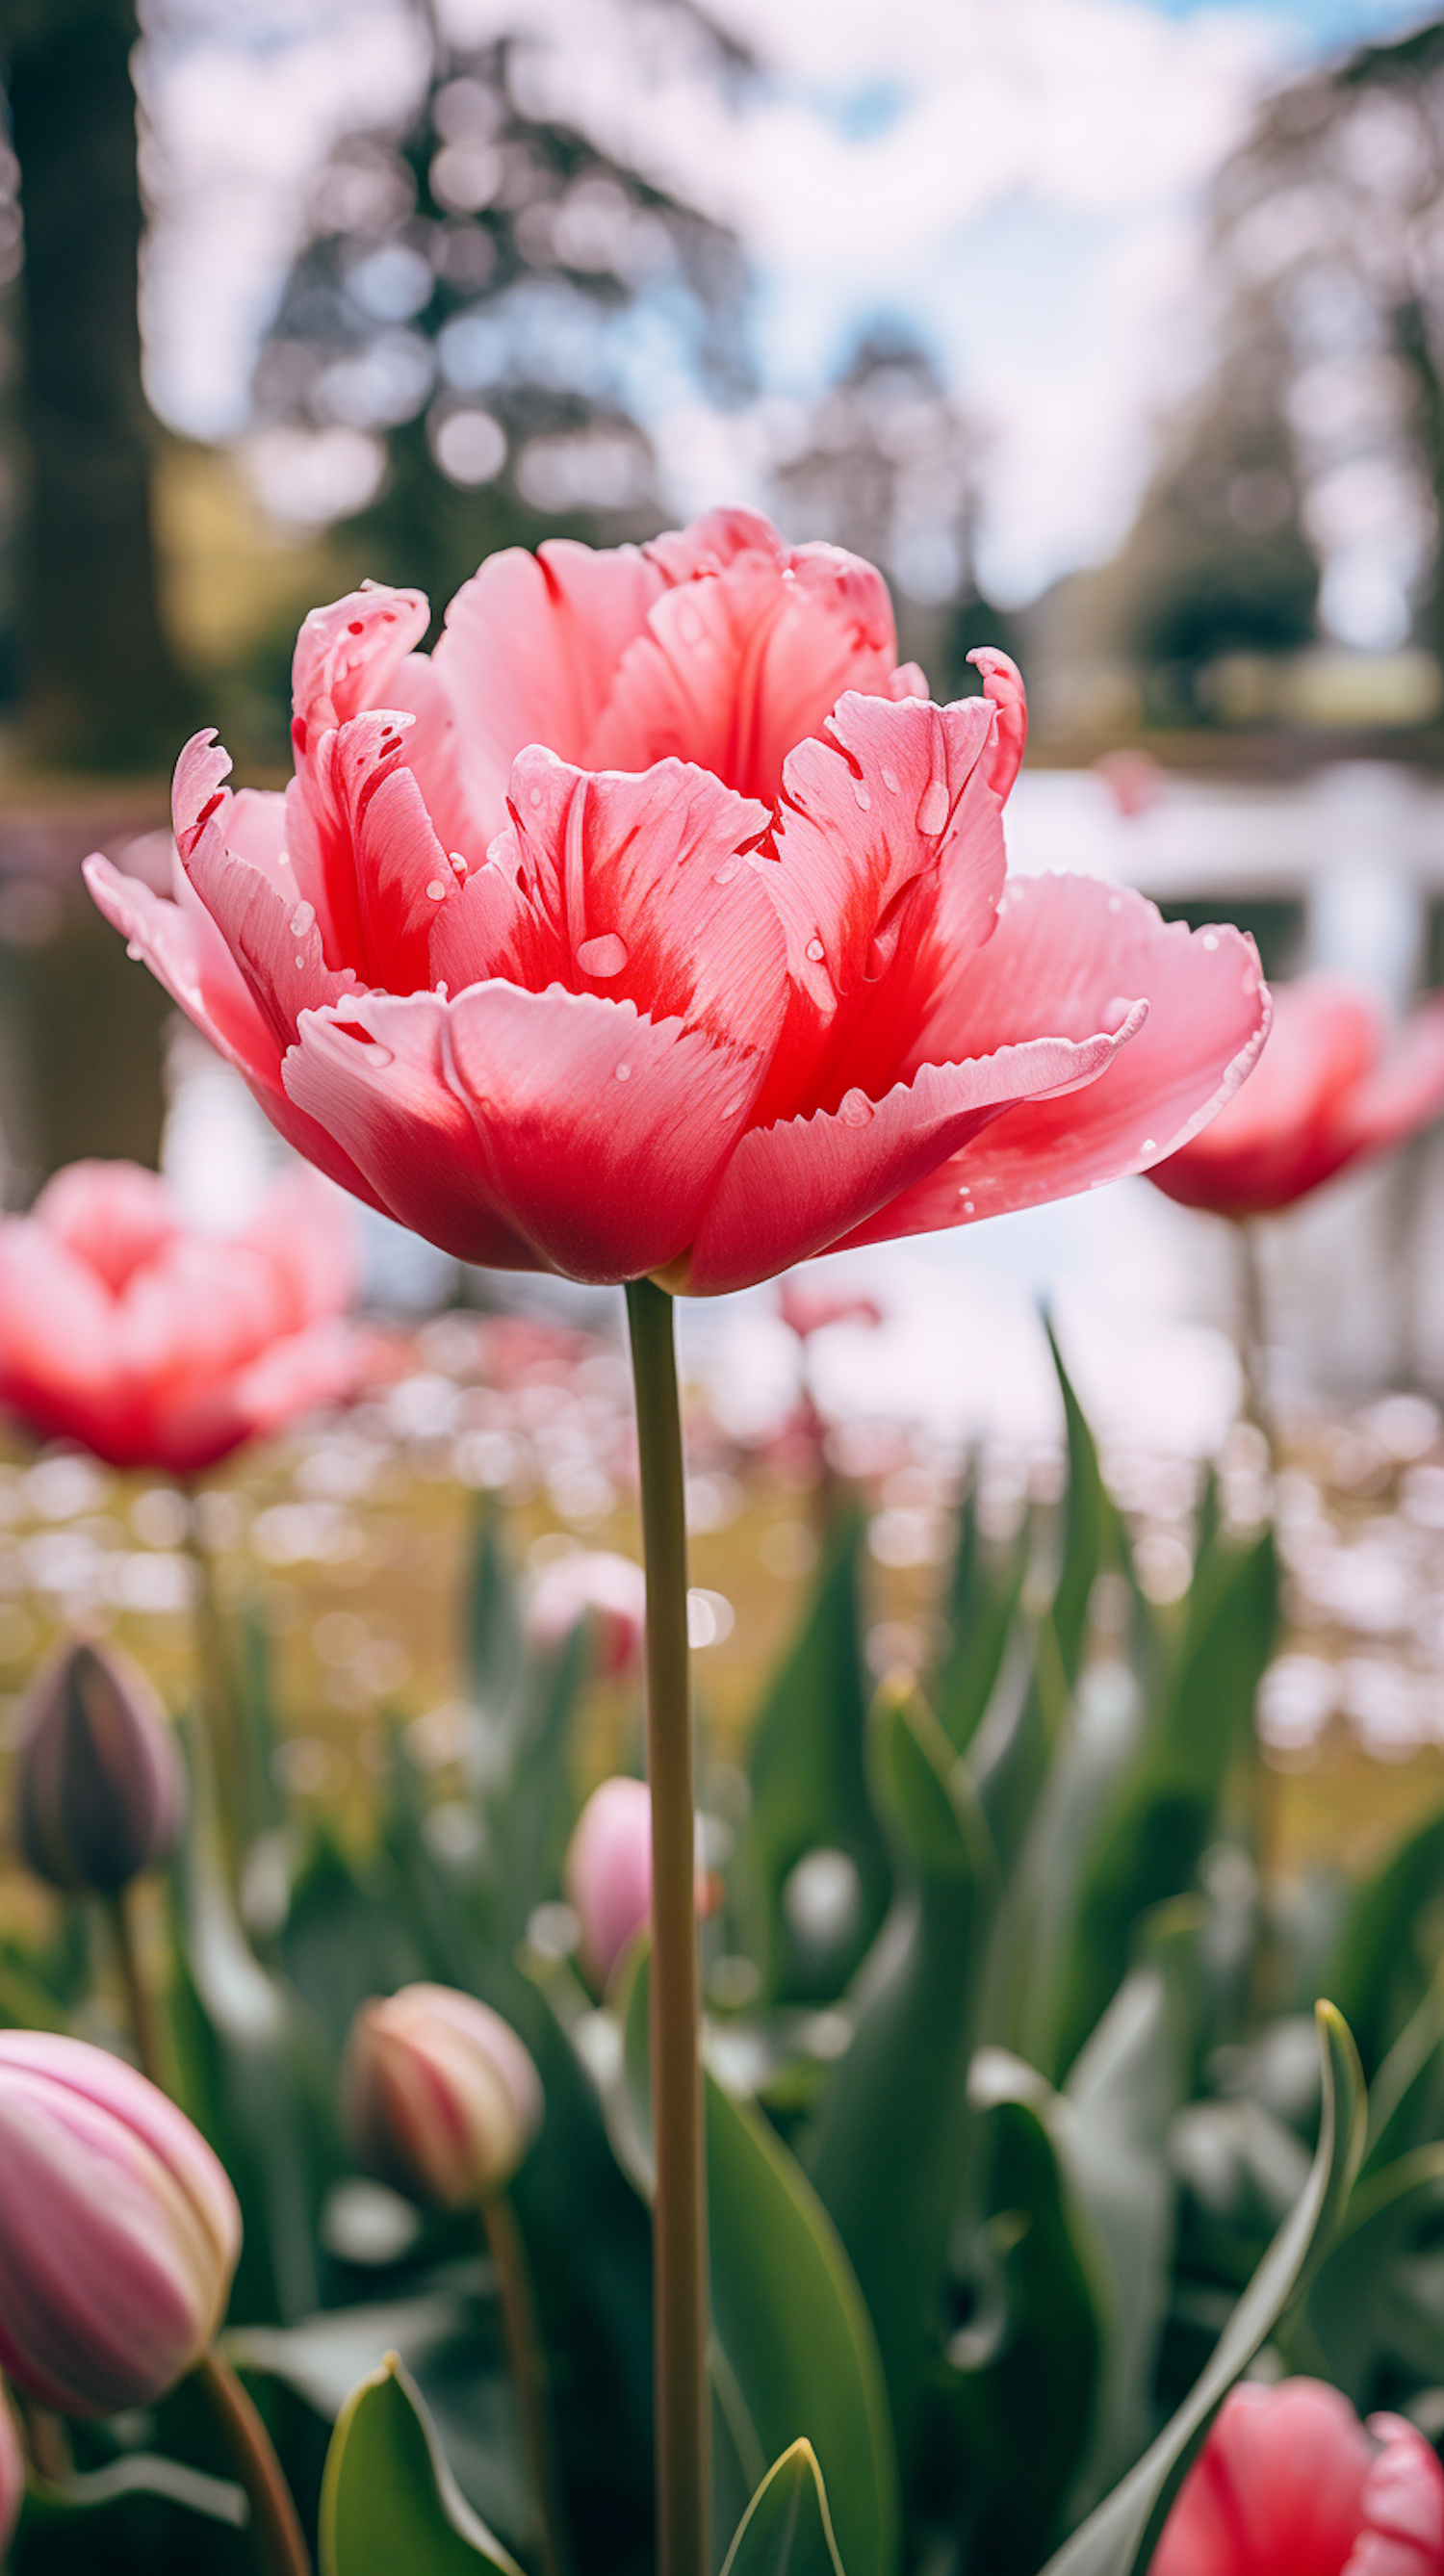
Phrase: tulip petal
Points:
(374, 1078)
(1403, 1093)
(58, 1342)
(529, 654)
(732, 672)
(1069, 955)
(1288, 1130)
(347, 656)
(792, 1189)
(111, 1216)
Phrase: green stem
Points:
(275, 2525)
(215, 1696)
(1253, 1331)
(679, 2219)
(139, 2002)
(528, 2370)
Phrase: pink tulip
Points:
(592, 1584)
(442, 2098)
(657, 924)
(119, 2231)
(608, 1873)
(159, 1347)
(1331, 1088)
(806, 1311)
(1290, 2483)
(12, 2476)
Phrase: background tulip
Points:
(1331, 1087)
(657, 925)
(157, 1346)
(1290, 2483)
(12, 2475)
(442, 2098)
(608, 1873)
(119, 2231)
(594, 1584)
(102, 1790)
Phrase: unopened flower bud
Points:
(442, 2099)
(119, 2231)
(12, 2476)
(102, 1791)
(608, 1589)
(608, 1873)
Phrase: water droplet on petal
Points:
(435, 890)
(1149, 1145)
(727, 871)
(1210, 939)
(889, 780)
(732, 1108)
(855, 1108)
(603, 956)
(302, 919)
(624, 1073)
(933, 810)
(861, 796)
(816, 951)
(134, 951)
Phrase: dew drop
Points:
(300, 962)
(855, 1108)
(816, 951)
(302, 919)
(732, 1108)
(889, 780)
(624, 1073)
(727, 871)
(1210, 939)
(134, 951)
(1149, 1145)
(861, 796)
(435, 890)
(441, 989)
(603, 956)
(1115, 903)
(933, 810)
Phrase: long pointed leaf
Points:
(787, 2529)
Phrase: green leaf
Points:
(1153, 1832)
(1090, 1523)
(1406, 2098)
(529, 1817)
(1377, 2303)
(389, 2502)
(493, 1636)
(1118, 2537)
(787, 2529)
(888, 2149)
(983, 1600)
(809, 1785)
(796, 2357)
(1378, 1971)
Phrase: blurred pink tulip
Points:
(1290, 2483)
(592, 1584)
(656, 923)
(102, 1787)
(806, 1311)
(442, 2099)
(1330, 1088)
(12, 2475)
(608, 1873)
(119, 2231)
(156, 1346)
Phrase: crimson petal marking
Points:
(1065, 951)
(529, 654)
(602, 1132)
(373, 1076)
(791, 1190)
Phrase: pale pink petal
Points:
(631, 887)
(308, 1235)
(58, 1341)
(276, 947)
(1291, 1126)
(347, 656)
(1403, 2505)
(602, 1132)
(1072, 955)
(734, 671)
(791, 1190)
(609, 1872)
(713, 542)
(299, 1374)
(1003, 687)
(256, 831)
(530, 653)
(1403, 1093)
(112, 1216)
(198, 1312)
(376, 1081)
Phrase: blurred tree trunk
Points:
(100, 686)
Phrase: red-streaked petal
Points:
(1069, 955)
(1003, 688)
(530, 653)
(602, 1132)
(633, 887)
(713, 542)
(375, 1079)
(348, 654)
(734, 671)
(1402, 2531)
(1292, 1125)
(361, 837)
(791, 1190)
(275, 943)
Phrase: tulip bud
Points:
(608, 1873)
(101, 1785)
(593, 1583)
(12, 2476)
(119, 2231)
(442, 2099)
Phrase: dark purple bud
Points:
(102, 1791)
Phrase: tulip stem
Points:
(139, 2002)
(528, 2370)
(1253, 1333)
(214, 1693)
(679, 2218)
(275, 2524)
